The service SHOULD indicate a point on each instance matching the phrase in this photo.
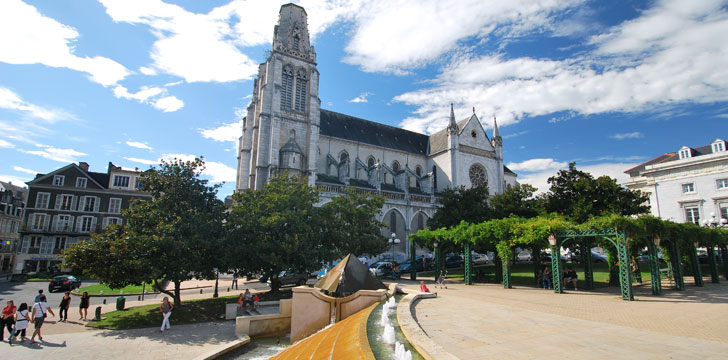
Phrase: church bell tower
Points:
(281, 129)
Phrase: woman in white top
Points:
(39, 314)
(22, 318)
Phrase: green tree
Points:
(518, 200)
(580, 196)
(278, 228)
(460, 204)
(175, 235)
(352, 223)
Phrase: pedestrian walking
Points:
(166, 310)
(65, 304)
(37, 297)
(235, 282)
(7, 320)
(22, 318)
(38, 316)
(83, 306)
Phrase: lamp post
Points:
(556, 272)
(393, 241)
(714, 224)
(437, 260)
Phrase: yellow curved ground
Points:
(346, 339)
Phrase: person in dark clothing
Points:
(83, 306)
(570, 275)
(65, 304)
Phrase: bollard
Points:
(104, 301)
(98, 313)
(200, 291)
(139, 298)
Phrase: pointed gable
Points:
(473, 134)
(70, 173)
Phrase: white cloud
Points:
(216, 171)
(141, 96)
(10, 100)
(632, 135)
(24, 170)
(362, 98)
(147, 71)
(31, 38)
(672, 53)
(19, 181)
(168, 104)
(614, 170)
(6, 144)
(434, 27)
(143, 161)
(536, 165)
(226, 132)
(139, 145)
(62, 155)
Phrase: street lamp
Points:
(656, 240)
(552, 240)
(393, 241)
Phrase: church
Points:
(286, 130)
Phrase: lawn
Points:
(191, 311)
(96, 289)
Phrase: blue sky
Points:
(605, 84)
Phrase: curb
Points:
(225, 349)
(414, 333)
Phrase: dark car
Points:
(64, 282)
(454, 261)
(406, 267)
(287, 277)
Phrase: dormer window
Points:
(718, 146)
(685, 153)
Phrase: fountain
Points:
(400, 353)
(388, 335)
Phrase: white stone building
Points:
(286, 130)
(687, 185)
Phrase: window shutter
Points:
(74, 199)
(93, 223)
(106, 222)
(31, 221)
(97, 203)
(78, 224)
(81, 203)
(37, 200)
(56, 222)
(70, 224)
(47, 223)
(58, 201)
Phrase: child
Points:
(256, 302)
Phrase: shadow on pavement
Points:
(197, 334)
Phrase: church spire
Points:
(452, 127)
(497, 140)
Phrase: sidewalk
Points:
(529, 323)
(180, 342)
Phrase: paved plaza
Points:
(485, 321)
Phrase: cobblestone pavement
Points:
(486, 321)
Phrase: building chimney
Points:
(83, 165)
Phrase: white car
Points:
(480, 259)
(523, 256)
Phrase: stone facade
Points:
(12, 207)
(686, 186)
(286, 130)
(65, 206)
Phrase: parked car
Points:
(288, 277)
(480, 259)
(454, 261)
(381, 268)
(524, 256)
(598, 257)
(64, 282)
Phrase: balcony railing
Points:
(393, 195)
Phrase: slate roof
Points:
(355, 129)
(698, 151)
(507, 170)
(101, 178)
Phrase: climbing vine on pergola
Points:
(626, 234)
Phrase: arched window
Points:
(418, 170)
(301, 87)
(420, 221)
(343, 157)
(292, 134)
(287, 88)
(393, 222)
(296, 39)
(370, 162)
(477, 175)
(395, 167)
